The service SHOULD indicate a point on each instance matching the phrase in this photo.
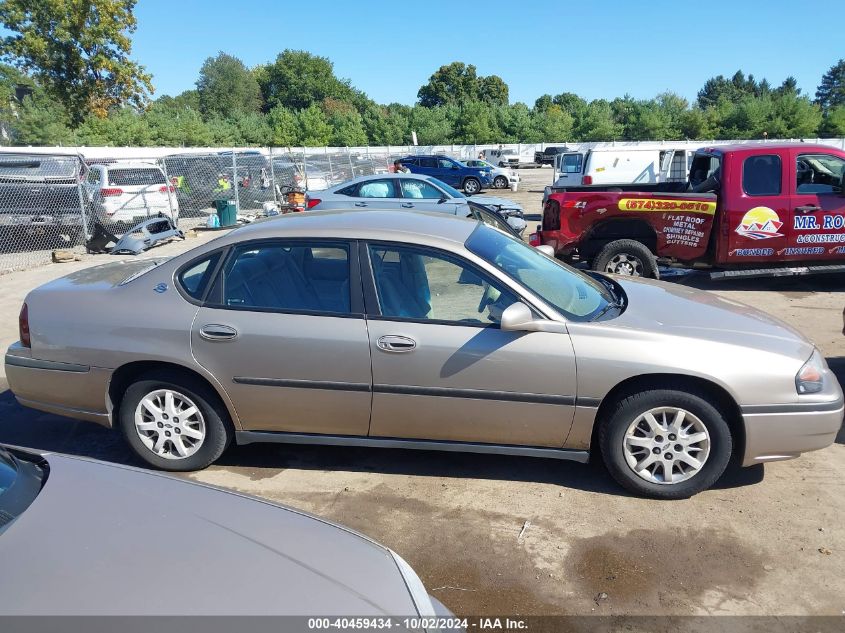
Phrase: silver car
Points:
(413, 192)
(420, 331)
(83, 537)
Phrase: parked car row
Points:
(412, 192)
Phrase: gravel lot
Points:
(507, 535)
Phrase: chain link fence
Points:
(57, 198)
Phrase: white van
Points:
(621, 166)
(128, 193)
(502, 157)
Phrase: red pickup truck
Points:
(749, 210)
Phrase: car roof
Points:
(754, 147)
(353, 181)
(356, 224)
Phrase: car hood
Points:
(495, 201)
(674, 309)
(107, 539)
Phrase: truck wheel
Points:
(626, 257)
(500, 182)
(472, 186)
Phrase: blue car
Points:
(452, 172)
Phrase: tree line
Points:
(82, 88)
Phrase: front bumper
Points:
(778, 432)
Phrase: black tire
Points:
(620, 256)
(472, 186)
(613, 428)
(500, 182)
(218, 425)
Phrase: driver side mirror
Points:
(442, 200)
(517, 317)
(547, 250)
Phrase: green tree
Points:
(476, 124)
(298, 79)
(387, 125)
(458, 83)
(185, 99)
(315, 131)
(41, 121)
(253, 128)
(226, 88)
(834, 122)
(78, 50)
(493, 90)
(347, 125)
(284, 127)
(831, 91)
(434, 126)
(598, 124)
(554, 124)
(177, 126)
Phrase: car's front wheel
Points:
(665, 444)
(174, 422)
(500, 182)
(472, 186)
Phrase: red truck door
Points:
(817, 225)
(757, 208)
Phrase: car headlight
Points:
(810, 378)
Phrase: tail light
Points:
(111, 191)
(313, 202)
(587, 180)
(23, 327)
(166, 189)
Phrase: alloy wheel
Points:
(170, 424)
(666, 445)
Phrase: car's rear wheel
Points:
(174, 422)
(627, 257)
(500, 182)
(665, 444)
(472, 186)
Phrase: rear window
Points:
(129, 177)
(37, 168)
(195, 278)
(761, 175)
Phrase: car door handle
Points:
(394, 343)
(217, 332)
(360, 204)
(808, 208)
(407, 205)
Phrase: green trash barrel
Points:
(227, 212)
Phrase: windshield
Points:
(575, 295)
(454, 193)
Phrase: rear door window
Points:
(132, 177)
(195, 278)
(761, 175)
(295, 277)
(428, 162)
(378, 189)
(820, 173)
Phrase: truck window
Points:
(571, 164)
(761, 175)
(819, 173)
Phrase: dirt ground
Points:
(519, 536)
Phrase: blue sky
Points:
(595, 49)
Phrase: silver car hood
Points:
(105, 539)
(496, 201)
(670, 308)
